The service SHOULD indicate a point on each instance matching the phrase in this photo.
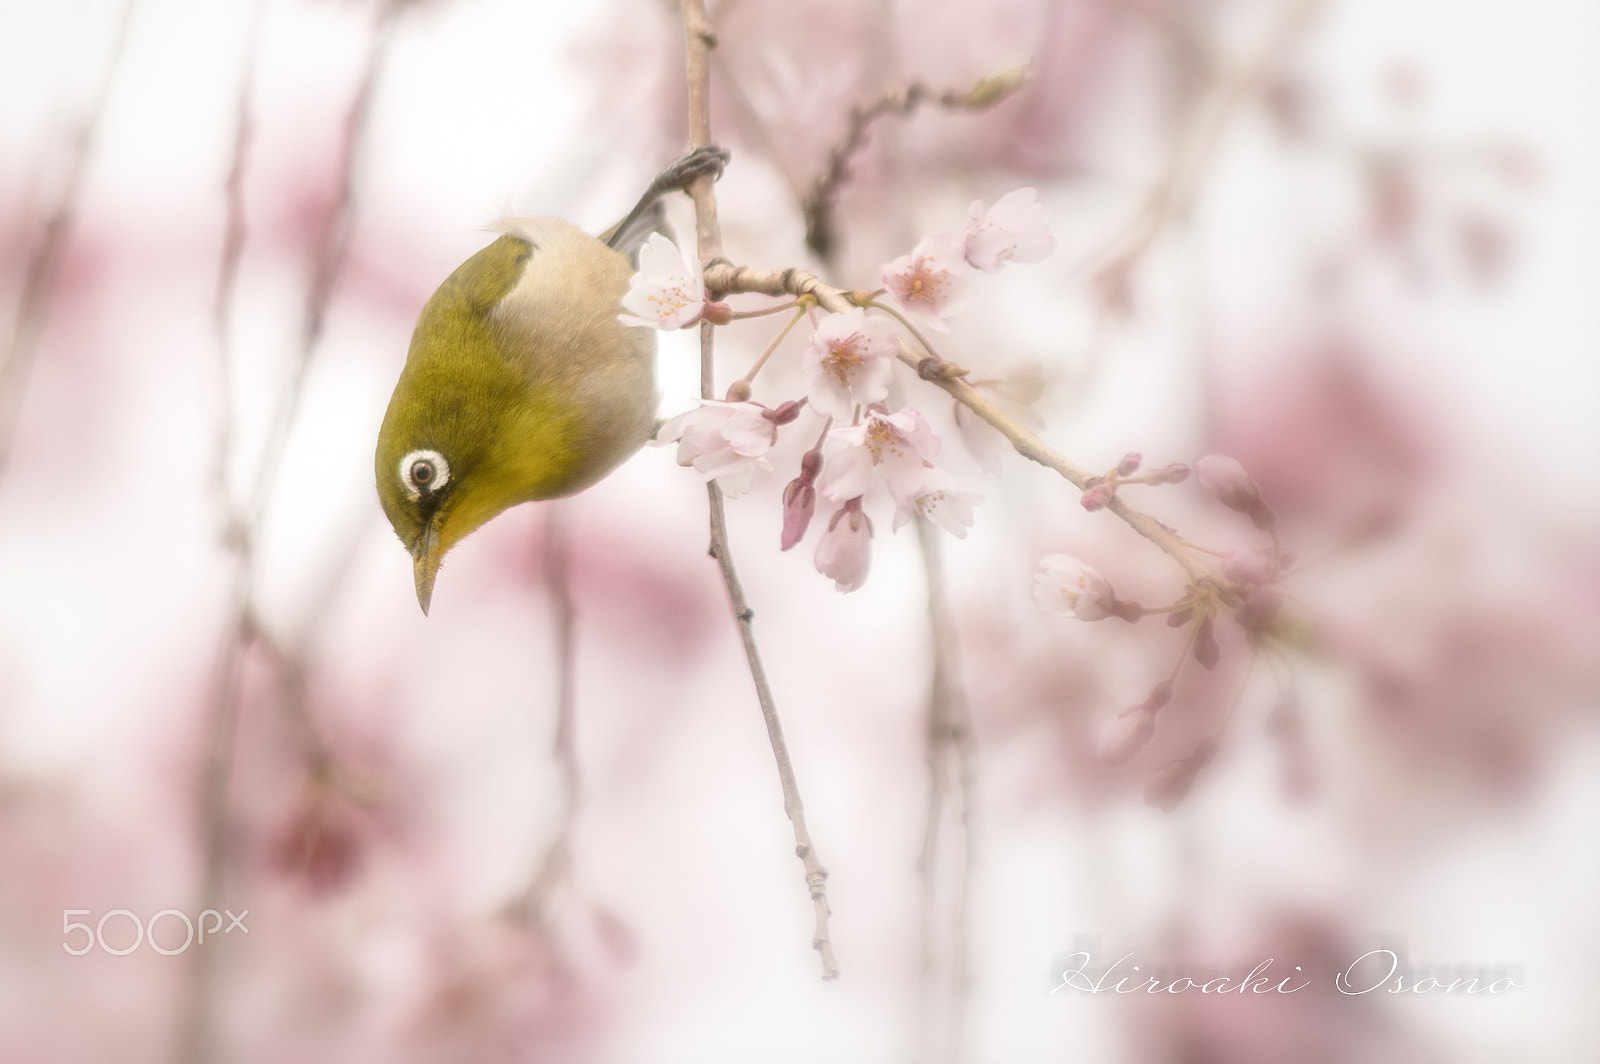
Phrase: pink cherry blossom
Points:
(930, 284)
(1015, 229)
(723, 441)
(1064, 583)
(938, 500)
(844, 552)
(849, 361)
(667, 292)
(893, 447)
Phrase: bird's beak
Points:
(425, 562)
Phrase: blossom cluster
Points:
(864, 448)
(1246, 584)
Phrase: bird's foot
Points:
(680, 175)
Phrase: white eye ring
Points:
(423, 471)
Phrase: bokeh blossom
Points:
(1015, 229)
(1066, 585)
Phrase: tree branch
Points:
(725, 278)
(699, 39)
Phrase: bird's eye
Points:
(422, 472)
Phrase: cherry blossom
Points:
(667, 292)
(723, 441)
(893, 447)
(938, 501)
(849, 362)
(930, 284)
(844, 552)
(1064, 583)
(1015, 229)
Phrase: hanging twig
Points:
(44, 264)
(950, 755)
(699, 39)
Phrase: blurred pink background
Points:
(1374, 285)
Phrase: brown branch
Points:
(726, 278)
(44, 264)
(699, 39)
(821, 200)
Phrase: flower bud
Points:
(1247, 566)
(1225, 478)
(1206, 650)
(1125, 734)
(716, 313)
(1063, 583)
(1097, 497)
(1228, 480)
(785, 411)
(844, 552)
(1129, 464)
(799, 502)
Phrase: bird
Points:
(520, 383)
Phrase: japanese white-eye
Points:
(520, 383)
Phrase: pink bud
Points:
(1206, 650)
(1247, 566)
(1160, 695)
(799, 502)
(1227, 479)
(785, 411)
(844, 552)
(1125, 734)
(717, 313)
(1129, 464)
(1066, 584)
(1097, 497)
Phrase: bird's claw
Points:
(697, 164)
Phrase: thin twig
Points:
(556, 864)
(44, 264)
(234, 233)
(823, 196)
(242, 524)
(950, 780)
(1174, 194)
(699, 39)
(330, 255)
